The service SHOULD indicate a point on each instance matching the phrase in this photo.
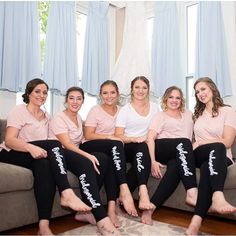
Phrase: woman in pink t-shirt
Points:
(99, 134)
(214, 130)
(92, 168)
(170, 143)
(27, 145)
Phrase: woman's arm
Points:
(68, 144)
(155, 168)
(90, 134)
(119, 132)
(13, 142)
(227, 138)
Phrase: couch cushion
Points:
(3, 124)
(15, 178)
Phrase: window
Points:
(81, 20)
(191, 27)
(43, 8)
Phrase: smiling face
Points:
(109, 95)
(203, 92)
(74, 101)
(140, 90)
(38, 95)
(174, 100)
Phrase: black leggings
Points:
(115, 150)
(48, 172)
(109, 179)
(177, 155)
(213, 163)
(138, 155)
(90, 182)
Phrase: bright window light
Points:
(191, 36)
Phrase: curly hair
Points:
(166, 96)
(216, 98)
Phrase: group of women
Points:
(97, 151)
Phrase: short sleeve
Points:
(230, 117)
(58, 125)
(156, 122)
(91, 119)
(16, 118)
(121, 117)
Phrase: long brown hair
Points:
(216, 98)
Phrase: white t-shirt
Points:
(170, 127)
(207, 127)
(134, 124)
(30, 129)
(61, 124)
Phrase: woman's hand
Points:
(196, 144)
(36, 152)
(95, 162)
(156, 169)
(139, 139)
(112, 137)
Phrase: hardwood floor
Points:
(211, 225)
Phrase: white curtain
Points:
(96, 51)
(167, 69)
(60, 63)
(19, 44)
(134, 55)
(211, 50)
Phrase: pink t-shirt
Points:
(170, 127)
(103, 122)
(30, 129)
(61, 124)
(207, 127)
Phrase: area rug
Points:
(132, 227)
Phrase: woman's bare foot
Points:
(127, 200)
(144, 201)
(146, 217)
(69, 199)
(111, 211)
(105, 227)
(220, 205)
(191, 197)
(44, 228)
(194, 226)
(85, 217)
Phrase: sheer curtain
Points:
(134, 55)
(211, 54)
(19, 44)
(60, 64)
(96, 51)
(167, 69)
